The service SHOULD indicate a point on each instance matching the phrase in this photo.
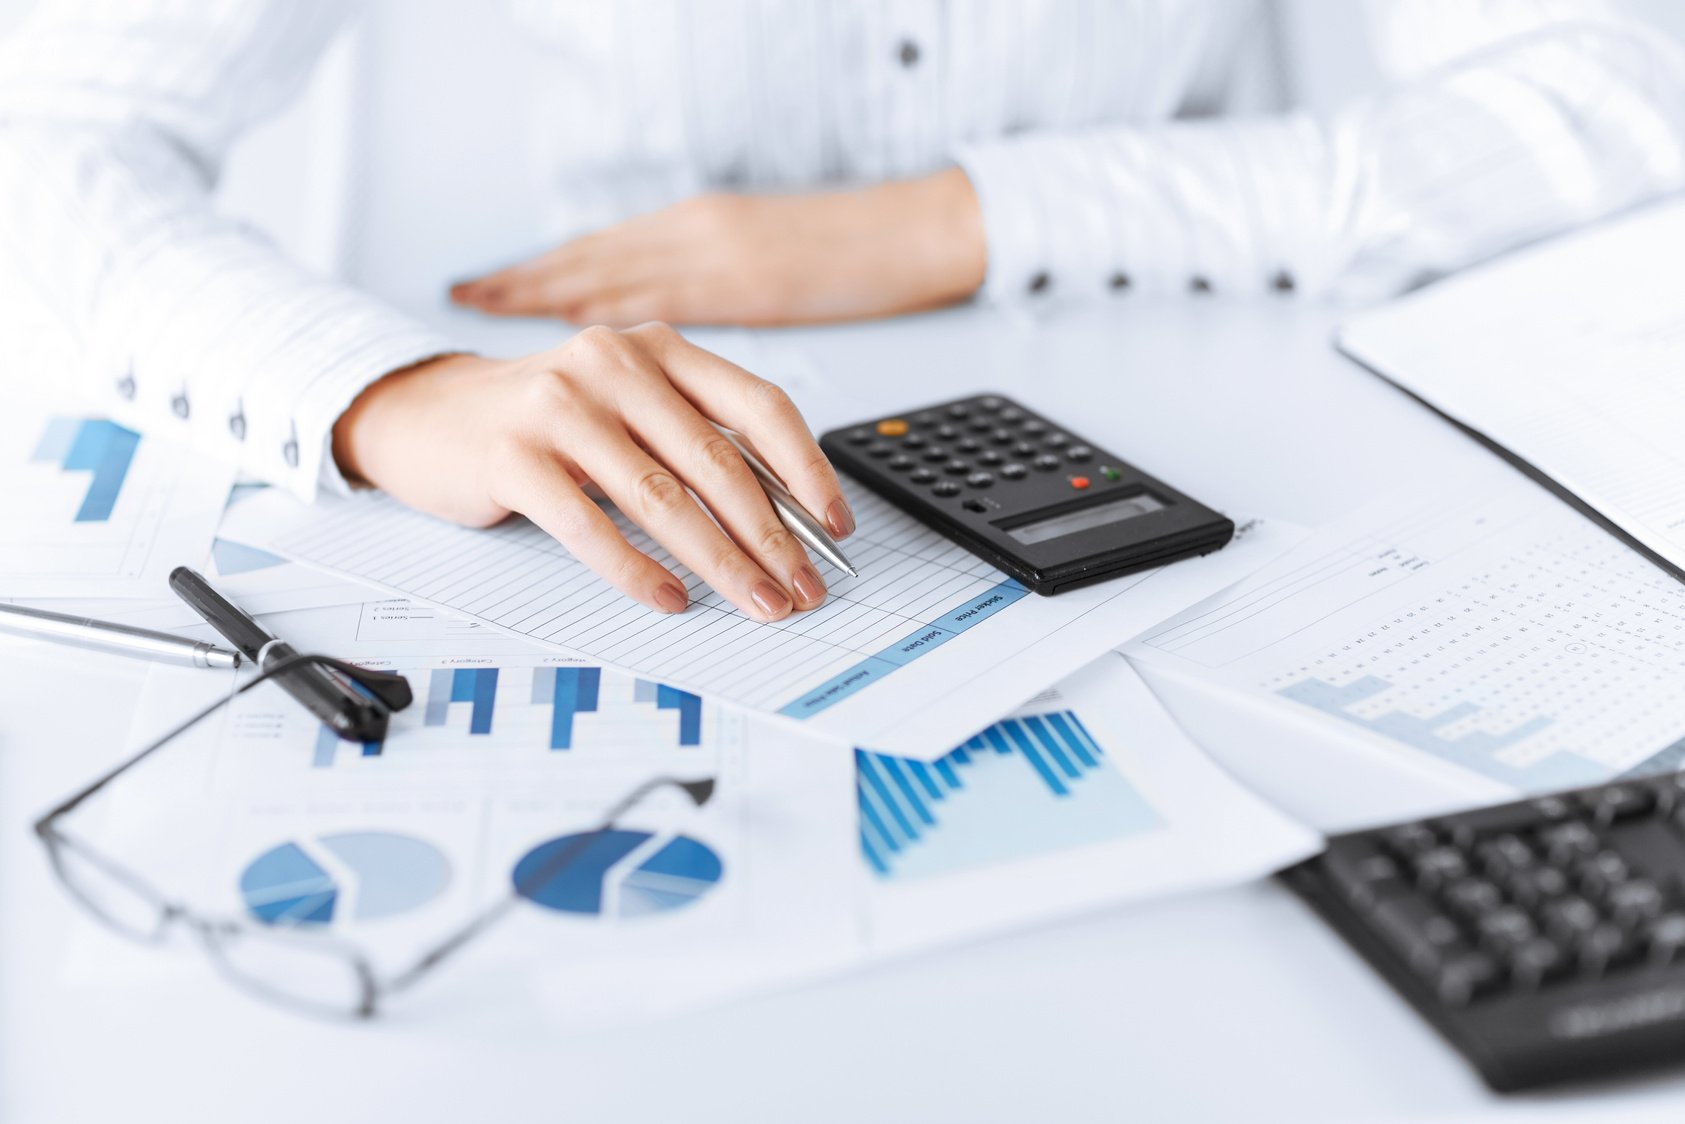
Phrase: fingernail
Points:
(772, 601)
(671, 598)
(808, 584)
(840, 518)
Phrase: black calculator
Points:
(1024, 493)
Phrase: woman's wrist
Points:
(944, 232)
(369, 412)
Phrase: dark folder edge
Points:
(1537, 474)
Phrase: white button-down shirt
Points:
(1086, 127)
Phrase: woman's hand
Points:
(472, 439)
(759, 259)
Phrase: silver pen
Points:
(792, 514)
(107, 636)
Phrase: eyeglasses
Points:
(318, 973)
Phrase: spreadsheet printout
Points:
(925, 648)
(1569, 356)
(1499, 633)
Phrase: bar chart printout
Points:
(1501, 633)
(91, 508)
(560, 708)
(1027, 785)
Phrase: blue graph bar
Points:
(689, 708)
(1019, 808)
(573, 690)
(478, 686)
(94, 445)
(327, 746)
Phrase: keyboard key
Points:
(1536, 961)
(1665, 938)
(1473, 897)
(1417, 931)
(1602, 873)
(1537, 885)
(1440, 866)
(1618, 802)
(1566, 842)
(1634, 901)
(1464, 978)
(1607, 946)
(1363, 872)
(1569, 919)
(1412, 838)
(1505, 928)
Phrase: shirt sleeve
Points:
(114, 122)
(1501, 144)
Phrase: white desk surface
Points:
(1236, 1005)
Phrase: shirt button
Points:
(1040, 283)
(908, 54)
(1119, 282)
(179, 405)
(1199, 285)
(1283, 282)
(126, 386)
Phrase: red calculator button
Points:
(1079, 482)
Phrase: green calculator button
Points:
(1110, 473)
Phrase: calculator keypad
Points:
(983, 442)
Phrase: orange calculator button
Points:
(892, 427)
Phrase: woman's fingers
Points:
(706, 460)
(544, 493)
(728, 394)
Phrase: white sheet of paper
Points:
(1569, 355)
(929, 645)
(1497, 636)
(507, 748)
(89, 509)
(1088, 796)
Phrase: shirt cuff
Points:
(1218, 206)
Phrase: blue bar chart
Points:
(101, 448)
(569, 691)
(1025, 786)
(476, 686)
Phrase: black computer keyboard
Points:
(1545, 938)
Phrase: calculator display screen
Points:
(1085, 518)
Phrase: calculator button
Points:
(992, 404)
(982, 425)
(947, 432)
(1013, 471)
(980, 479)
(936, 454)
(859, 436)
(975, 505)
(915, 441)
(892, 427)
(1047, 462)
(1001, 437)
(922, 476)
(946, 488)
(1079, 482)
(1079, 453)
(1034, 428)
(1011, 414)
(879, 449)
(968, 446)
(925, 420)
(900, 462)
(959, 410)
(991, 458)
(1056, 440)
(1110, 473)
(1024, 449)
(957, 467)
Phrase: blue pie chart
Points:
(351, 875)
(617, 873)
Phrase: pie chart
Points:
(352, 875)
(617, 873)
